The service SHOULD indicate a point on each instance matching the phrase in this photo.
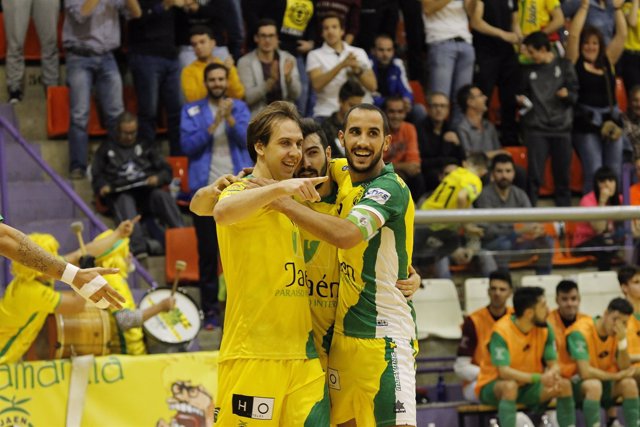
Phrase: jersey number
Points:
(451, 190)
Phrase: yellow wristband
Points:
(535, 378)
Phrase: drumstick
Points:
(77, 228)
(180, 267)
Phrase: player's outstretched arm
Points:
(243, 204)
(16, 246)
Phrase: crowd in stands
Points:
(206, 67)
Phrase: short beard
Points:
(365, 169)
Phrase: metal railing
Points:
(64, 186)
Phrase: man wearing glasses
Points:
(268, 73)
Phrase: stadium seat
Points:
(3, 39)
(562, 256)
(493, 112)
(475, 294)
(180, 169)
(418, 93)
(57, 111)
(597, 288)
(519, 156)
(438, 310)
(576, 179)
(181, 244)
(621, 95)
(548, 282)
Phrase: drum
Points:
(173, 331)
(66, 335)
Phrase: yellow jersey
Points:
(534, 15)
(369, 304)
(632, 42)
(584, 343)
(267, 314)
(23, 311)
(323, 268)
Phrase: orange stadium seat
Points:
(181, 244)
(180, 169)
(519, 156)
(418, 92)
(494, 107)
(621, 95)
(562, 256)
(57, 111)
(576, 178)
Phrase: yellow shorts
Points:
(264, 392)
(372, 380)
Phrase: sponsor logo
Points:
(257, 408)
(382, 322)
(333, 379)
(499, 353)
(378, 195)
(15, 414)
(399, 407)
(580, 346)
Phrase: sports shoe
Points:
(78, 173)
(15, 96)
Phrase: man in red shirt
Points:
(403, 151)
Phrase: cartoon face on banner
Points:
(192, 402)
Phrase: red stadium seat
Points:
(621, 95)
(418, 93)
(3, 38)
(519, 156)
(181, 244)
(180, 168)
(576, 178)
(57, 111)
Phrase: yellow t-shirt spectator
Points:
(193, 81)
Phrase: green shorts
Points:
(528, 394)
(606, 401)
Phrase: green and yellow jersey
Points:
(323, 268)
(23, 311)
(369, 304)
(267, 313)
(534, 15)
(584, 343)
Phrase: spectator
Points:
(192, 75)
(330, 66)
(549, 91)
(90, 34)
(435, 242)
(502, 237)
(631, 121)
(600, 238)
(450, 53)
(473, 349)
(16, 14)
(601, 15)
(392, 78)
(561, 319)
(476, 133)
(630, 61)
(540, 15)
(153, 61)
(348, 11)
(599, 347)
(267, 73)
(297, 31)
(596, 125)
(437, 141)
(629, 278)
(414, 33)
(403, 152)
(377, 17)
(215, 124)
(495, 31)
(350, 95)
(129, 173)
(523, 366)
(210, 14)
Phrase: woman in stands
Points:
(600, 238)
(597, 124)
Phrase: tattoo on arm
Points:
(33, 256)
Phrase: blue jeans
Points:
(156, 78)
(511, 242)
(450, 68)
(594, 152)
(82, 72)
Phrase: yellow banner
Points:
(152, 390)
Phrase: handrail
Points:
(62, 184)
(611, 213)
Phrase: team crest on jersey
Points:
(378, 195)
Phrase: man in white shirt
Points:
(330, 66)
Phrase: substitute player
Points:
(268, 365)
(599, 347)
(371, 373)
(523, 367)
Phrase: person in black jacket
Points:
(549, 92)
(129, 175)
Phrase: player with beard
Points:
(523, 367)
(371, 372)
(599, 347)
(321, 258)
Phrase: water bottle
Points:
(493, 422)
(441, 389)
(174, 187)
